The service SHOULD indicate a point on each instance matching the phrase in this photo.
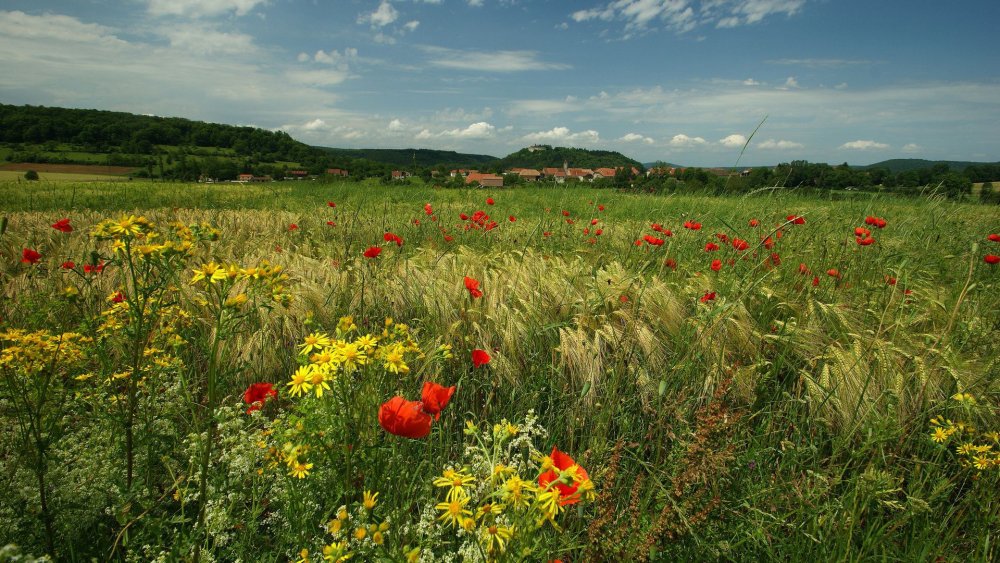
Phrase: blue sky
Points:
(684, 81)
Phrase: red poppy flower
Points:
(865, 241)
(815, 281)
(722, 236)
(435, 398)
(331, 204)
(653, 240)
(694, 226)
(586, 231)
(796, 219)
(570, 221)
(93, 268)
(754, 222)
(390, 237)
(656, 227)
(861, 232)
(599, 232)
(716, 265)
(890, 280)
(416, 222)
(993, 238)
(448, 238)
(593, 221)
(709, 296)
(489, 201)
(833, 273)
(118, 297)
(740, 244)
(293, 227)
(568, 493)
(546, 234)
(670, 263)
(68, 265)
(989, 259)
(30, 256)
(623, 298)
(480, 357)
(803, 269)
(512, 218)
(768, 243)
(638, 242)
(257, 394)
(63, 225)
(373, 252)
(331, 223)
(472, 285)
(711, 247)
(427, 209)
(600, 207)
(404, 418)
(775, 259)
(565, 213)
(463, 216)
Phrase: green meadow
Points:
(771, 376)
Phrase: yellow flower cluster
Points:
(975, 450)
(325, 356)
(273, 275)
(31, 353)
(294, 457)
(356, 532)
(489, 497)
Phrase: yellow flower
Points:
(457, 481)
(350, 357)
(394, 360)
(453, 512)
(336, 552)
(318, 381)
(964, 398)
(496, 538)
(300, 469)
(489, 509)
(548, 504)
(370, 499)
(211, 272)
(515, 491)
(236, 300)
(939, 435)
(300, 380)
(360, 533)
(346, 325)
(981, 462)
(314, 341)
(413, 555)
(367, 343)
(378, 538)
(303, 556)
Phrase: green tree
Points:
(31, 175)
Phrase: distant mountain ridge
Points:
(426, 158)
(897, 165)
(545, 156)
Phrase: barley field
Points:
(312, 371)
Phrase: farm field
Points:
(315, 371)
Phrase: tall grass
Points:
(785, 419)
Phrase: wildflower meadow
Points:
(310, 371)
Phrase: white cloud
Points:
(734, 141)
(384, 39)
(57, 27)
(424, 134)
(319, 77)
(563, 135)
(684, 15)
(681, 140)
(820, 63)
(411, 25)
(476, 3)
(912, 148)
(751, 82)
(384, 15)
(202, 8)
(791, 82)
(316, 125)
(635, 138)
(395, 125)
(772, 144)
(480, 130)
(861, 145)
(489, 61)
(303, 57)
(206, 40)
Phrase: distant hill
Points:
(897, 165)
(544, 156)
(426, 158)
